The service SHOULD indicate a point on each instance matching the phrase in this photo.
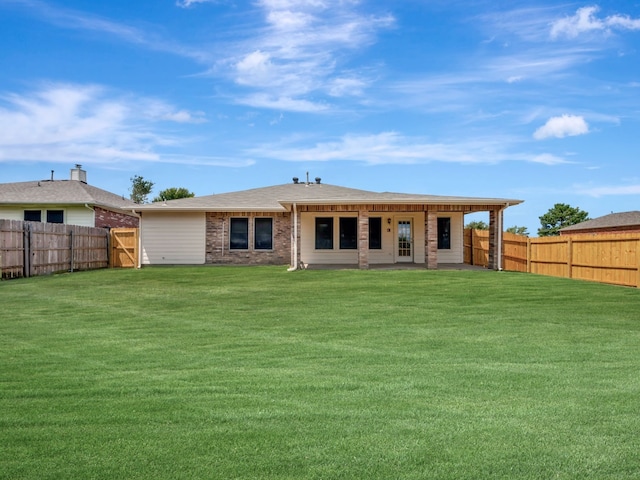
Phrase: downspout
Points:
(294, 265)
(139, 240)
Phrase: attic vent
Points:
(318, 180)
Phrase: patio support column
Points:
(295, 239)
(431, 236)
(495, 221)
(363, 239)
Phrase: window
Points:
(324, 233)
(375, 233)
(348, 233)
(263, 234)
(239, 234)
(55, 216)
(32, 216)
(444, 233)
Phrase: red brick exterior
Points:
(217, 240)
(111, 219)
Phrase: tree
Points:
(477, 225)
(560, 216)
(173, 193)
(140, 189)
(518, 230)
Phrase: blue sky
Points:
(538, 101)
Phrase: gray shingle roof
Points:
(60, 192)
(613, 220)
(277, 198)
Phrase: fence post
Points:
(26, 250)
(528, 255)
(638, 263)
(71, 251)
(569, 258)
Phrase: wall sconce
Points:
(389, 220)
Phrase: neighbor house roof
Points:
(280, 198)
(613, 220)
(60, 192)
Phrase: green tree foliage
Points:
(477, 225)
(140, 189)
(518, 230)
(559, 216)
(173, 193)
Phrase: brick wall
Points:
(110, 219)
(217, 241)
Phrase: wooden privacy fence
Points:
(608, 258)
(32, 248)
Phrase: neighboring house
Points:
(305, 223)
(624, 222)
(71, 201)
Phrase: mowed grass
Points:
(257, 373)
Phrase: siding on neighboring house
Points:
(173, 238)
(78, 216)
(73, 215)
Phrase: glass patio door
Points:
(404, 252)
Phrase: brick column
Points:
(494, 226)
(431, 236)
(363, 239)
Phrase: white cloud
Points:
(609, 190)
(296, 54)
(395, 149)
(274, 102)
(190, 3)
(585, 20)
(85, 124)
(563, 126)
(548, 159)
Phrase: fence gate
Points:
(124, 248)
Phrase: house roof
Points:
(60, 192)
(280, 198)
(613, 220)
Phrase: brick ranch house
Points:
(303, 224)
(72, 201)
(624, 222)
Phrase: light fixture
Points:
(389, 220)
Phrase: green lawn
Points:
(257, 373)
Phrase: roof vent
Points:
(295, 180)
(79, 174)
(318, 180)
